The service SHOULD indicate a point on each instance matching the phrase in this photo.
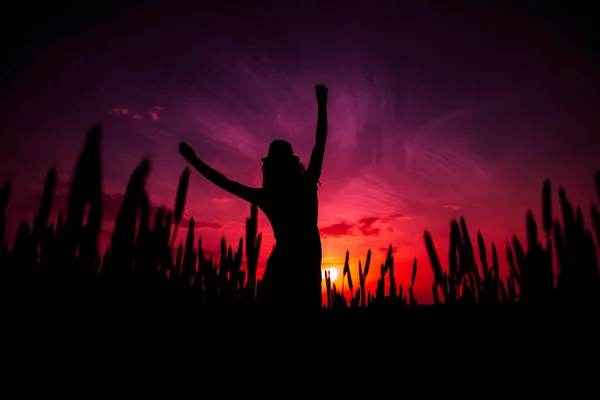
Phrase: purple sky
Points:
(435, 112)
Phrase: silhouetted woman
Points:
(289, 200)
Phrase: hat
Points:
(280, 150)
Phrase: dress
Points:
(293, 273)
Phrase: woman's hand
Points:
(321, 91)
(186, 151)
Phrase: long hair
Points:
(278, 174)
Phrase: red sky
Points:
(434, 113)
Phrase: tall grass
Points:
(60, 261)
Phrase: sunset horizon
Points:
(332, 262)
(435, 114)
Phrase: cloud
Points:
(211, 225)
(222, 199)
(154, 112)
(62, 188)
(394, 216)
(337, 230)
(365, 226)
(385, 249)
(455, 208)
(185, 221)
(119, 111)
(361, 227)
(122, 111)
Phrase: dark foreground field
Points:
(112, 347)
(473, 321)
(58, 290)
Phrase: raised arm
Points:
(247, 193)
(316, 158)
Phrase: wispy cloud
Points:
(338, 230)
(455, 208)
(386, 249)
(153, 113)
(361, 227)
(365, 226)
(185, 222)
(120, 111)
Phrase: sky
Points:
(436, 111)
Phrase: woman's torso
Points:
(293, 214)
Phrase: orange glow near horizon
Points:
(334, 273)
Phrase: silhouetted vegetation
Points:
(59, 261)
